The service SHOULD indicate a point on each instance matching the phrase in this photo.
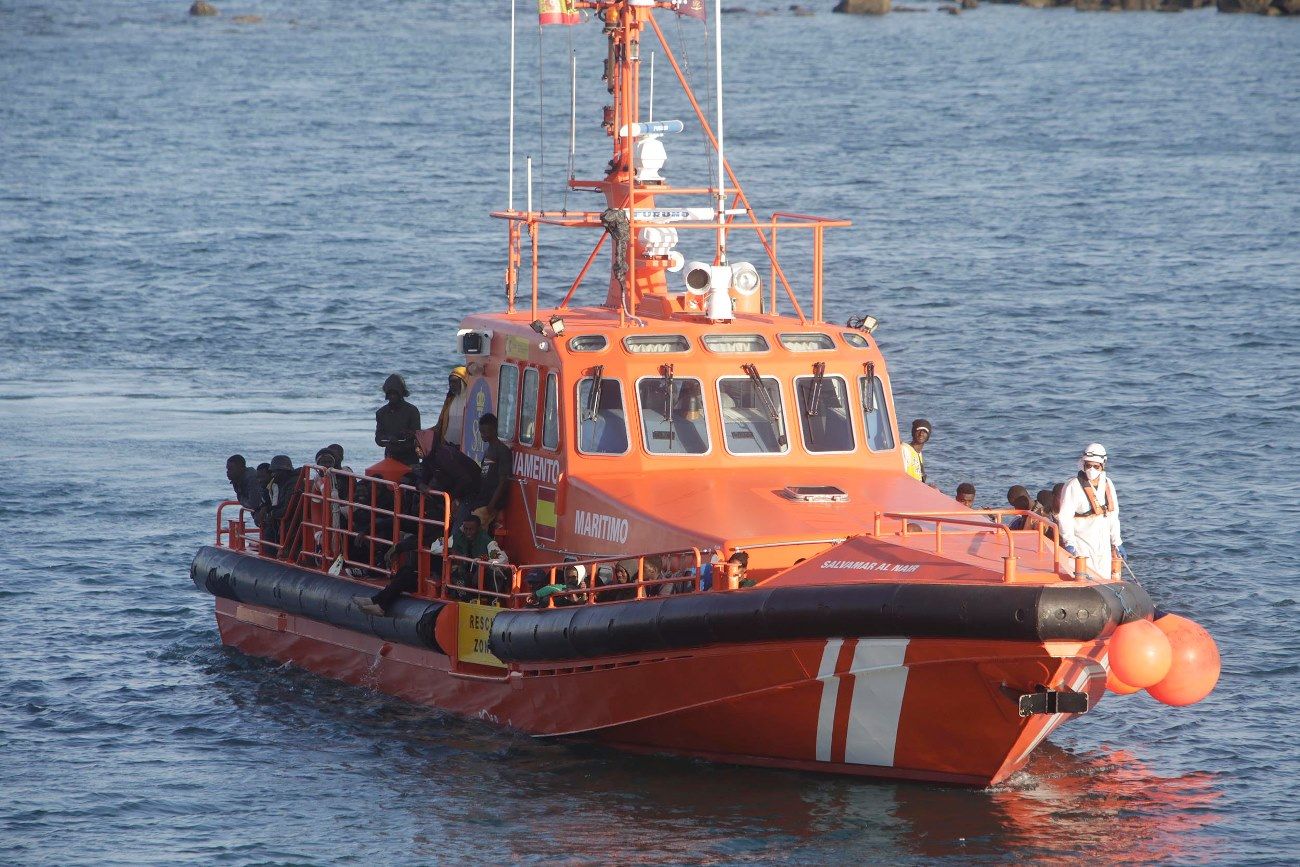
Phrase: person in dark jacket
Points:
(284, 479)
(443, 467)
(494, 480)
(397, 421)
(243, 479)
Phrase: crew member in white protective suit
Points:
(1089, 513)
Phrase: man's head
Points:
(470, 526)
(236, 466)
(1093, 460)
(920, 432)
(457, 380)
(325, 458)
(1047, 500)
(966, 495)
(337, 451)
(281, 465)
(487, 427)
(395, 387)
(1019, 498)
(263, 473)
(739, 561)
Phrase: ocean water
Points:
(220, 237)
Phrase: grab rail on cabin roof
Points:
(1048, 548)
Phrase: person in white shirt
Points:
(1089, 513)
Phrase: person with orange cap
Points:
(1089, 513)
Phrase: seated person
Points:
(966, 495)
(1019, 499)
(619, 578)
(469, 540)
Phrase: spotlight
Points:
(539, 326)
(864, 323)
(557, 325)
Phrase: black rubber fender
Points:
(304, 593)
(1034, 613)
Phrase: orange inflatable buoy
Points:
(1194, 669)
(1140, 654)
(1117, 686)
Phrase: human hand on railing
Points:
(1073, 552)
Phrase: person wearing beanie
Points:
(397, 421)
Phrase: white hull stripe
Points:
(830, 691)
(876, 703)
(880, 679)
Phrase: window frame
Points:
(882, 400)
(708, 434)
(848, 408)
(551, 398)
(781, 338)
(578, 408)
(785, 421)
(507, 435)
(523, 398)
(767, 344)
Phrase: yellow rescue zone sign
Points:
(474, 627)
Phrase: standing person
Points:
(284, 479)
(1089, 513)
(913, 462)
(243, 479)
(397, 421)
(494, 483)
(452, 418)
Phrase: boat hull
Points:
(923, 709)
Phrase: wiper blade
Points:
(670, 410)
(869, 389)
(593, 399)
(751, 370)
(815, 393)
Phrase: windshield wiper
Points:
(666, 371)
(869, 390)
(815, 393)
(773, 413)
(593, 400)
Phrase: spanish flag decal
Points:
(544, 518)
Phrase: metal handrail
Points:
(981, 524)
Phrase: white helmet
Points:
(1094, 452)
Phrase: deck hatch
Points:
(816, 494)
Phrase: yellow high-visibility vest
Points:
(913, 462)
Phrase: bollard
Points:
(1080, 567)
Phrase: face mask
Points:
(1092, 473)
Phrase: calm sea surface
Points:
(219, 237)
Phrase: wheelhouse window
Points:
(551, 413)
(528, 408)
(507, 401)
(641, 343)
(602, 424)
(735, 342)
(824, 416)
(813, 342)
(588, 343)
(875, 414)
(672, 415)
(753, 421)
